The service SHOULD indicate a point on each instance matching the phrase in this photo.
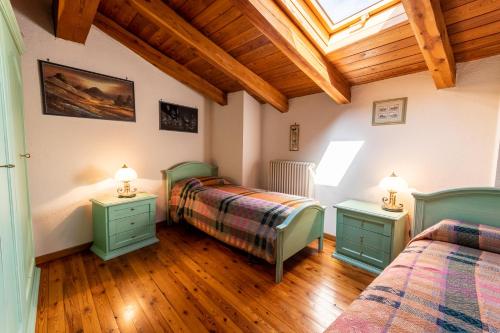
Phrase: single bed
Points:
(269, 225)
(448, 277)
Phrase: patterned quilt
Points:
(444, 281)
(242, 217)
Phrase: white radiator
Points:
(291, 177)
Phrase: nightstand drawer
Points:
(130, 236)
(128, 223)
(350, 248)
(361, 223)
(380, 228)
(376, 241)
(121, 211)
(374, 257)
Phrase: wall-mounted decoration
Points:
(179, 118)
(389, 112)
(73, 92)
(294, 137)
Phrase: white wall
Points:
(236, 138)
(449, 139)
(497, 181)
(252, 141)
(74, 159)
(227, 138)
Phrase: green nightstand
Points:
(368, 237)
(123, 225)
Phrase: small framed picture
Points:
(389, 112)
(294, 137)
(178, 118)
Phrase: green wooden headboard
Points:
(479, 205)
(186, 170)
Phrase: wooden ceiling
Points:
(223, 46)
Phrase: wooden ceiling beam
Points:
(427, 22)
(159, 60)
(166, 18)
(73, 19)
(273, 22)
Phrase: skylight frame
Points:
(332, 27)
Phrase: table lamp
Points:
(392, 184)
(125, 175)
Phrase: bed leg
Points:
(320, 244)
(279, 271)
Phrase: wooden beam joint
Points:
(166, 18)
(159, 60)
(270, 19)
(428, 24)
(73, 19)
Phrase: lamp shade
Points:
(125, 174)
(393, 183)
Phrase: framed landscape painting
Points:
(72, 92)
(178, 118)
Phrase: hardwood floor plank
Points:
(242, 303)
(190, 282)
(165, 306)
(306, 311)
(73, 318)
(104, 312)
(86, 302)
(139, 297)
(56, 319)
(249, 289)
(218, 321)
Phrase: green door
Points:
(15, 126)
(9, 281)
(16, 239)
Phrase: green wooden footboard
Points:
(302, 227)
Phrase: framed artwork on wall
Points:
(389, 112)
(73, 92)
(294, 137)
(178, 118)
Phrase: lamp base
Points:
(131, 195)
(397, 208)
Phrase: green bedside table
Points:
(368, 237)
(122, 225)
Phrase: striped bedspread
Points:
(437, 284)
(242, 217)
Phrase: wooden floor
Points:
(193, 283)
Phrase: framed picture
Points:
(294, 137)
(389, 112)
(72, 92)
(178, 118)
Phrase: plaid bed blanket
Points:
(435, 285)
(242, 217)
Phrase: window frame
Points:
(332, 27)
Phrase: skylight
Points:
(339, 10)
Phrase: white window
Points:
(339, 10)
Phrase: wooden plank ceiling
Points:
(473, 28)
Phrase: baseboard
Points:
(62, 253)
(329, 236)
(69, 251)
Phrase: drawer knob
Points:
(132, 223)
(132, 208)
